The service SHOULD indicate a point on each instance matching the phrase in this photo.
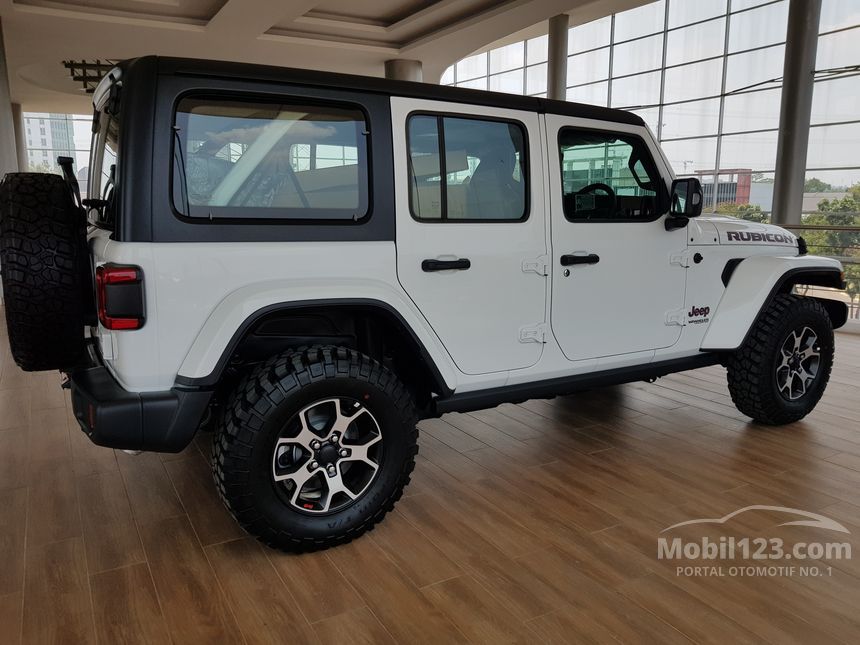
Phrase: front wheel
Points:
(779, 374)
(315, 448)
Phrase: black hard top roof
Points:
(247, 71)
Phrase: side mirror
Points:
(687, 198)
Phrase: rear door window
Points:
(483, 167)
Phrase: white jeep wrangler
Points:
(309, 263)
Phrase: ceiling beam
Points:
(244, 19)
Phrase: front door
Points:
(471, 229)
(617, 280)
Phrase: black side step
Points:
(482, 399)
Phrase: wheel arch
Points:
(755, 282)
(368, 325)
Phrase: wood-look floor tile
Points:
(149, 489)
(192, 479)
(188, 591)
(14, 378)
(89, 458)
(422, 561)
(575, 625)
(480, 616)
(407, 615)
(695, 619)
(264, 608)
(13, 522)
(14, 408)
(316, 584)
(49, 448)
(11, 616)
(55, 514)
(14, 457)
(46, 391)
(356, 627)
(110, 533)
(126, 607)
(507, 579)
(57, 606)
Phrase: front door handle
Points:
(591, 258)
(445, 265)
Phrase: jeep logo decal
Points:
(695, 311)
(770, 238)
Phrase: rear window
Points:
(241, 159)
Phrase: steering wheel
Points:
(599, 186)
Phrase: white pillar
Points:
(401, 69)
(20, 139)
(8, 153)
(556, 69)
(798, 77)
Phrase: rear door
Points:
(471, 228)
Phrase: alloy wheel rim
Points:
(800, 359)
(327, 455)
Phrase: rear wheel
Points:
(315, 448)
(780, 372)
(45, 261)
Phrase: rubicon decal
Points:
(767, 238)
(698, 315)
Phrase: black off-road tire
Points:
(752, 368)
(259, 409)
(45, 263)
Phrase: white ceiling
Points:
(339, 35)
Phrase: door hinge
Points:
(533, 333)
(681, 258)
(539, 265)
(677, 317)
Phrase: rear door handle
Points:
(445, 265)
(591, 258)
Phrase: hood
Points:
(734, 231)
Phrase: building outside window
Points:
(66, 135)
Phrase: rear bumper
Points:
(113, 417)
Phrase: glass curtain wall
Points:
(706, 77)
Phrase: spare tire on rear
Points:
(47, 284)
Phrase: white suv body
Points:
(512, 318)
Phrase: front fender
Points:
(752, 286)
(233, 314)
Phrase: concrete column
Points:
(404, 70)
(8, 154)
(556, 69)
(798, 75)
(20, 139)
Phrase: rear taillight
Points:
(119, 292)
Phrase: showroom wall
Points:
(706, 77)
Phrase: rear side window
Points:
(483, 166)
(250, 160)
(608, 176)
(102, 182)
